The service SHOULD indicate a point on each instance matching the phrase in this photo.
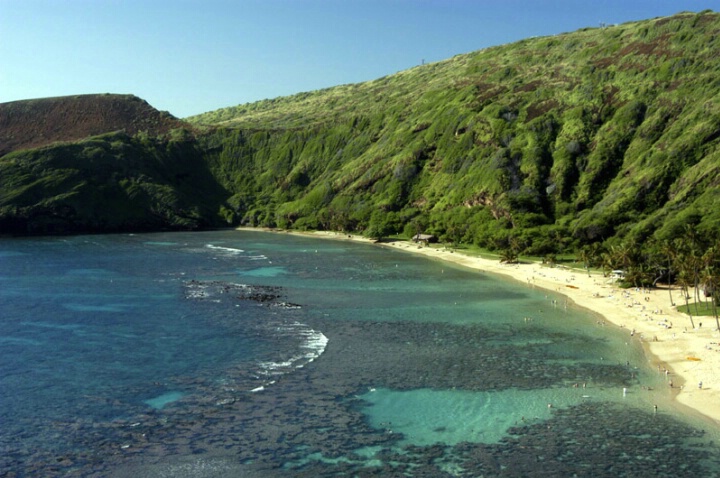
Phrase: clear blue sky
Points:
(192, 56)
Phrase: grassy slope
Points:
(92, 163)
(549, 142)
(592, 134)
(107, 183)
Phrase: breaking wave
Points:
(294, 344)
(314, 343)
(230, 250)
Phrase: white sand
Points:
(666, 333)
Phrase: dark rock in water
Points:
(217, 290)
(592, 440)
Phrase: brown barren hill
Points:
(35, 123)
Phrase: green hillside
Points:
(548, 144)
(108, 183)
(100, 163)
(556, 141)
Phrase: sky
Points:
(193, 56)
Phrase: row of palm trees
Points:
(689, 263)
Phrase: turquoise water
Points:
(160, 401)
(251, 354)
(426, 417)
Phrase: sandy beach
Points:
(691, 356)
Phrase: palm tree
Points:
(695, 264)
(641, 273)
(623, 257)
(509, 256)
(684, 281)
(693, 260)
(606, 262)
(595, 252)
(688, 264)
(516, 244)
(711, 278)
(710, 283)
(670, 250)
(585, 258)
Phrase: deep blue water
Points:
(99, 315)
(208, 354)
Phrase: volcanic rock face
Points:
(35, 123)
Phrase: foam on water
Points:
(292, 338)
(312, 347)
(50, 325)
(89, 272)
(264, 272)
(177, 335)
(230, 250)
(11, 254)
(198, 292)
(98, 308)
(19, 341)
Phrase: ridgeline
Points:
(36, 123)
(100, 163)
(603, 135)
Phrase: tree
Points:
(595, 252)
(691, 261)
(711, 278)
(606, 263)
(382, 224)
(585, 258)
(511, 253)
(710, 284)
(508, 256)
(684, 281)
(670, 250)
(622, 256)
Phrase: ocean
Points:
(243, 353)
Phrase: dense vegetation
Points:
(600, 135)
(92, 163)
(108, 183)
(598, 138)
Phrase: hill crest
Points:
(544, 145)
(35, 123)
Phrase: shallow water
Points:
(226, 353)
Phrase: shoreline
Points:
(691, 355)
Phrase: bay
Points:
(255, 354)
